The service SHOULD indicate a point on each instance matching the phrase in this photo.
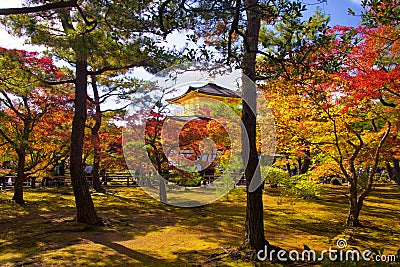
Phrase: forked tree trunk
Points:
(354, 207)
(356, 199)
(19, 182)
(83, 200)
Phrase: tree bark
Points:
(21, 152)
(159, 160)
(389, 170)
(96, 137)
(254, 231)
(357, 200)
(396, 169)
(96, 163)
(84, 203)
(19, 182)
(289, 170)
(306, 162)
(163, 191)
(354, 207)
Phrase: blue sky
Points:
(338, 11)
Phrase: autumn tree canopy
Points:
(34, 115)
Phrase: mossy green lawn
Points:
(141, 231)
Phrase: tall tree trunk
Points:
(163, 191)
(306, 162)
(96, 162)
(96, 137)
(254, 232)
(83, 200)
(289, 170)
(19, 182)
(389, 170)
(299, 164)
(396, 169)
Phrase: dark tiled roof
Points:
(213, 89)
(188, 118)
(209, 89)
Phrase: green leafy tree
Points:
(94, 37)
(380, 12)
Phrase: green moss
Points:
(141, 231)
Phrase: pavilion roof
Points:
(210, 89)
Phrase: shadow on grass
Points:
(142, 258)
(137, 222)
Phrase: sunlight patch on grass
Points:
(144, 232)
(7, 257)
(87, 254)
(170, 245)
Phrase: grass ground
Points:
(143, 232)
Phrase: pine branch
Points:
(35, 9)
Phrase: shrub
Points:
(276, 176)
(382, 178)
(183, 179)
(303, 186)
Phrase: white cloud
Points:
(11, 3)
(358, 2)
(11, 42)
